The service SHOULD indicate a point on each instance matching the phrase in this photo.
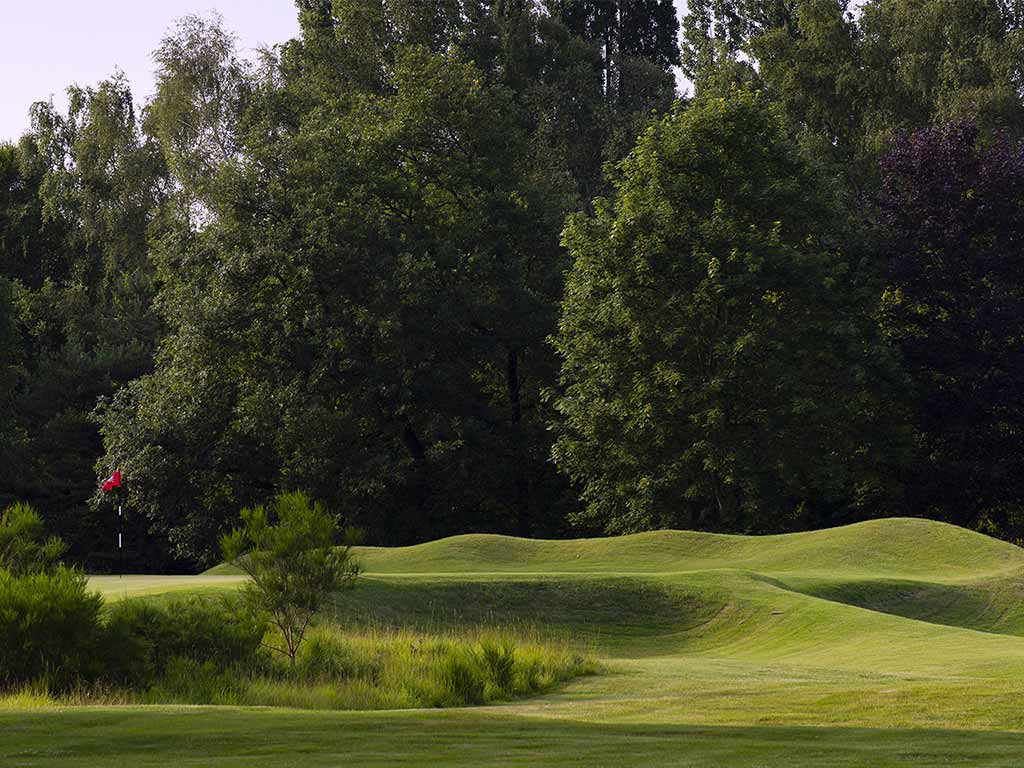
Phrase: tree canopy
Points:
(479, 265)
(953, 210)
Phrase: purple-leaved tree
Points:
(952, 206)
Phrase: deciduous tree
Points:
(953, 211)
(717, 370)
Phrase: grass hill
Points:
(891, 547)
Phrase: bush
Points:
(135, 629)
(50, 629)
(144, 636)
(202, 651)
(24, 549)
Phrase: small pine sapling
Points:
(292, 563)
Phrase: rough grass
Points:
(346, 669)
(893, 642)
(379, 668)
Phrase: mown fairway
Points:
(896, 642)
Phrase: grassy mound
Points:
(908, 547)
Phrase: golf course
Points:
(512, 383)
(895, 642)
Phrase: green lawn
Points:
(202, 737)
(896, 642)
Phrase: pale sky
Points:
(47, 45)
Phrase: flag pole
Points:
(110, 485)
(120, 542)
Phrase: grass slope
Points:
(721, 650)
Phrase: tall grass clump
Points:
(371, 668)
(190, 681)
(28, 696)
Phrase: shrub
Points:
(134, 630)
(50, 629)
(143, 636)
(23, 546)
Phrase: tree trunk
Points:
(423, 524)
(521, 497)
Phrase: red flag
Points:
(112, 482)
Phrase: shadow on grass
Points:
(994, 605)
(622, 615)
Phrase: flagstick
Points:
(111, 485)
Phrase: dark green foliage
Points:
(29, 246)
(635, 28)
(10, 365)
(135, 633)
(385, 349)
(850, 75)
(78, 200)
(632, 46)
(717, 370)
(952, 209)
(636, 44)
(354, 247)
(338, 268)
(53, 632)
(50, 630)
(24, 546)
(143, 637)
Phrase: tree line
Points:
(478, 265)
